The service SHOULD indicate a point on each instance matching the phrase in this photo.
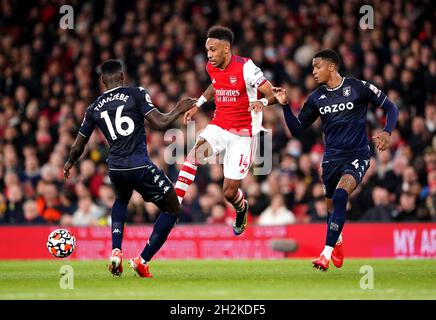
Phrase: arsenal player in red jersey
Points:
(236, 86)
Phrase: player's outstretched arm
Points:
(75, 153)
(382, 140)
(206, 96)
(292, 122)
(161, 120)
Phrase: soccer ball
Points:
(61, 243)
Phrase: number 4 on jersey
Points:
(119, 120)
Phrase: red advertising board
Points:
(405, 240)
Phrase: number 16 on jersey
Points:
(119, 120)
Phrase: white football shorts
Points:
(238, 151)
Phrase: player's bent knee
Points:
(348, 182)
(174, 208)
(170, 204)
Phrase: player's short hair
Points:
(111, 67)
(329, 54)
(221, 33)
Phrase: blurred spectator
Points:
(90, 177)
(48, 203)
(431, 198)
(3, 208)
(276, 213)
(410, 181)
(393, 177)
(87, 213)
(14, 211)
(31, 215)
(32, 171)
(152, 212)
(257, 200)
(430, 117)
(318, 210)
(306, 171)
(136, 209)
(384, 164)
(106, 200)
(383, 210)
(407, 210)
(220, 214)
(191, 210)
(420, 137)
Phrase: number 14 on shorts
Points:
(243, 162)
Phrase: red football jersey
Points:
(235, 87)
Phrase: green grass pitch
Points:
(223, 279)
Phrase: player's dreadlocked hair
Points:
(221, 33)
(330, 55)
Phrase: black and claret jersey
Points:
(119, 114)
(343, 113)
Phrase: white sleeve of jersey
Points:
(252, 74)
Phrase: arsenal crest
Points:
(346, 91)
(233, 80)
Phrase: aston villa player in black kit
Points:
(342, 104)
(119, 113)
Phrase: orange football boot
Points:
(321, 263)
(140, 268)
(338, 255)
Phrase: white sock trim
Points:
(181, 185)
(190, 165)
(187, 175)
(327, 252)
(339, 239)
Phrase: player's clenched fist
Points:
(281, 95)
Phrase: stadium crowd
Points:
(49, 76)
